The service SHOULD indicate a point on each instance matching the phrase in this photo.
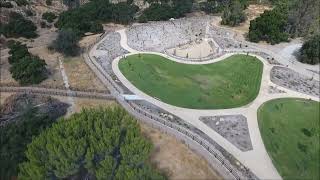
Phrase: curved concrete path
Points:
(257, 160)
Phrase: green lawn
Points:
(290, 131)
(230, 83)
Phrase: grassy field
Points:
(230, 83)
(290, 131)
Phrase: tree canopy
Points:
(165, 9)
(66, 43)
(18, 26)
(289, 18)
(90, 15)
(26, 120)
(310, 50)
(270, 27)
(233, 14)
(104, 143)
(26, 68)
(49, 16)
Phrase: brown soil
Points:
(175, 159)
(80, 75)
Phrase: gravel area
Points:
(232, 127)
(162, 35)
(111, 49)
(290, 79)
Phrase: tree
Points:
(18, 26)
(49, 16)
(25, 120)
(105, 143)
(270, 27)
(233, 14)
(29, 70)
(66, 43)
(26, 68)
(310, 50)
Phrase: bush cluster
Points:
(26, 68)
(270, 27)
(66, 43)
(88, 17)
(233, 14)
(18, 26)
(165, 9)
(310, 51)
(6, 4)
(49, 16)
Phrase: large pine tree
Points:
(104, 143)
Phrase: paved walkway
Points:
(257, 160)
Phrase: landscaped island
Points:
(290, 132)
(230, 83)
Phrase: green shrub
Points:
(81, 19)
(49, 2)
(18, 26)
(26, 68)
(49, 16)
(29, 12)
(66, 43)
(21, 2)
(270, 27)
(310, 50)
(164, 10)
(6, 5)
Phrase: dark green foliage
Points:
(49, 16)
(157, 12)
(211, 7)
(88, 16)
(66, 43)
(29, 70)
(49, 2)
(18, 26)
(21, 2)
(29, 12)
(26, 68)
(104, 143)
(233, 14)
(217, 6)
(270, 27)
(6, 4)
(310, 51)
(27, 121)
(166, 10)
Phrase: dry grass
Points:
(80, 75)
(253, 11)
(81, 103)
(3, 97)
(175, 159)
(5, 75)
(55, 78)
